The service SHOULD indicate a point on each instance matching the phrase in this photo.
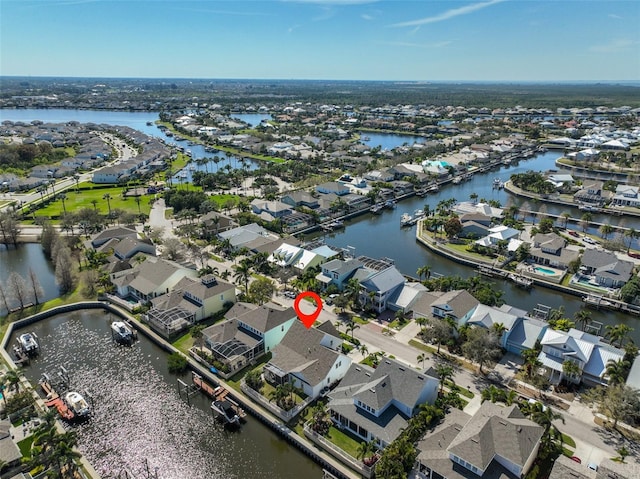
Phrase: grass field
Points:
(84, 199)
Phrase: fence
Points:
(286, 416)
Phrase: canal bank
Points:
(264, 417)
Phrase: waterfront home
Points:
(593, 193)
(626, 195)
(379, 175)
(274, 209)
(489, 316)
(376, 404)
(606, 268)
(213, 223)
(128, 247)
(248, 332)
(301, 199)
(561, 181)
(379, 281)
(457, 304)
(550, 249)
(524, 334)
(151, 278)
(308, 358)
(337, 272)
(589, 352)
(498, 234)
(190, 301)
(333, 187)
(496, 442)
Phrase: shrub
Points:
(177, 363)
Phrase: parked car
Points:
(592, 466)
(574, 233)
(576, 459)
(588, 240)
(634, 255)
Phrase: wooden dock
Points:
(217, 393)
(53, 400)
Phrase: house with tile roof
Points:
(496, 442)
(607, 269)
(309, 358)
(248, 332)
(589, 352)
(376, 404)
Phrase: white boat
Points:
(78, 404)
(121, 332)
(29, 343)
(226, 411)
(405, 219)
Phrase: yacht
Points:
(78, 404)
(405, 219)
(121, 332)
(29, 343)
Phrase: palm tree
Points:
(107, 197)
(364, 350)
(94, 202)
(421, 358)
(531, 362)
(617, 371)
(424, 271)
(565, 216)
(498, 329)
(606, 230)
(63, 197)
(631, 233)
(570, 370)
(583, 318)
(243, 273)
(352, 290)
(617, 332)
(351, 327)
(137, 199)
(12, 378)
(445, 373)
(365, 450)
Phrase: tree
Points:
(320, 421)
(35, 286)
(341, 301)
(617, 402)
(253, 379)
(623, 452)
(421, 358)
(582, 318)
(9, 229)
(445, 373)
(173, 249)
(351, 327)
(261, 290)
(439, 330)
(177, 363)
(617, 371)
(531, 362)
(243, 273)
(631, 233)
(12, 378)
(452, 227)
(366, 450)
(4, 298)
(606, 230)
(562, 324)
(352, 290)
(196, 334)
(107, 197)
(424, 271)
(585, 221)
(481, 346)
(570, 370)
(617, 332)
(94, 202)
(17, 288)
(63, 197)
(64, 272)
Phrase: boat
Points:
(376, 209)
(226, 411)
(586, 208)
(405, 219)
(149, 123)
(521, 281)
(121, 332)
(497, 184)
(456, 180)
(365, 138)
(598, 302)
(77, 404)
(391, 204)
(29, 343)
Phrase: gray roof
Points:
(300, 353)
(607, 265)
(487, 316)
(9, 451)
(526, 332)
(262, 318)
(497, 431)
(460, 302)
(385, 280)
(565, 468)
(615, 470)
(342, 267)
(633, 379)
(150, 274)
(549, 241)
(106, 235)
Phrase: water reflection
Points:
(138, 415)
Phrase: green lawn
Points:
(568, 441)
(84, 199)
(25, 446)
(344, 441)
(422, 346)
(463, 391)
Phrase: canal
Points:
(139, 417)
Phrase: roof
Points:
(151, 274)
(497, 431)
(342, 267)
(405, 297)
(487, 316)
(571, 346)
(526, 332)
(459, 300)
(106, 235)
(384, 280)
(301, 354)
(565, 468)
(633, 379)
(262, 318)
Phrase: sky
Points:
(395, 40)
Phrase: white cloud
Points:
(364, 16)
(613, 46)
(613, 15)
(454, 12)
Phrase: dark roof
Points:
(262, 318)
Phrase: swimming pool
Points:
(541, 270)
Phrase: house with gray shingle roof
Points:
(337, 272)
(458, 304)
(549, 249)
(488, 316)
(524, 334)
(308, 358)
(379, 287)
(375, 404)
(497, 442)
(606, 267)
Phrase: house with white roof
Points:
(550, 249)
(376, 404)
(626, 195)
(586, 350)
(489, 316)
(499, 233)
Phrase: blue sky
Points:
(422, 40)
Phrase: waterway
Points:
(26, 257)
(139, 416)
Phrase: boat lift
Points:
(188, 390)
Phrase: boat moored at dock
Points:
(28, 342)
(122, 333)
(78, 405)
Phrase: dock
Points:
(521, 280)
(53, 399)
(217, 393)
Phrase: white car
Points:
(588, 240)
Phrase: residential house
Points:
(308, 358)
(607, 269)
(586, 350)
(498, 234)
(10, 454)
(333, 187)
(337, 272)
(490, 317)
(128, 247)
(457, 304)
(566, 468)
(249, 236)
(301, 199)
(190, 301)
(376, 404)
(592, 192)
(119, 232)
(626, 195)
(379, 286)
(524, 334)
(275, 209)
(248, 332)
(550, 249)
(496, 442)
(151, 278)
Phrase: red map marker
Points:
(308, 319)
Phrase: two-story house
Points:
(496, 442)
(337, 272)
(626, 195)
(592, 193)
(587, 351)
(308, 358)
(379, 286)
(458, 304)
(375, 404)
(549, 249)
